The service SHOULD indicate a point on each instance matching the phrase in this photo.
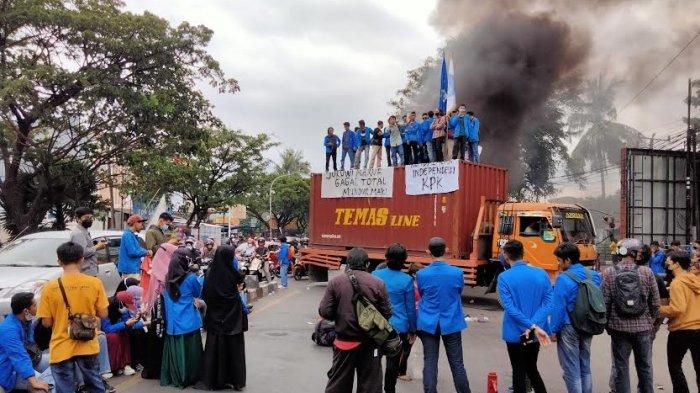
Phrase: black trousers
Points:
(397, 365)
(437, 149)
(365, 360)
(680, 342)
(523, 360)
(416, 152)
(460, 147)
(333, 154)
(388, 155)
(408, 159)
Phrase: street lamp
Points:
(270, 212)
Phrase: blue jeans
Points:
(23, 384)
(103, 356)
(64, 374)
(431, 351)
(284, 268)
(431, 153)
(574, 352)
(623, 344)
(396, 152)
(473, 149)
(347, 153)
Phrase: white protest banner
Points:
(358, 183)
(432, 178)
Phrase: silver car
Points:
(29, 262)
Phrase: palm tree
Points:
(293, 162)
(601, 137)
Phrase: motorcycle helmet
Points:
(628, 247)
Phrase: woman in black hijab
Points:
(223, 363)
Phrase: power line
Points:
(660, 72)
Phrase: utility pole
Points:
(689, 174)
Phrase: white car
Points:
(30, 261)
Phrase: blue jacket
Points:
(473, 129)
(387, 137)
(109, 327)
(459, 127)
(328, 142)
(14, 360)
(348, 140)
(413, 132)
(402, 131)
(366, 135)
(658, 262)
(440, 287)
(426, 132)
(283, 256)
(357, 140)
(130, 253)
(399, 285)
(564, 297)
(181, 317)
(525, 293)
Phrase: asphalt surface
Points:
(281, 357)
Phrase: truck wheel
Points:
(317, 273)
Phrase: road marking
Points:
(277, 301)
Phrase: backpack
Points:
(372, 322)
(324, 333)
(627, 296)
(589, 311)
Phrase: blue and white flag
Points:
(442, 101)
(451, 94)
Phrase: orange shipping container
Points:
(337, 224)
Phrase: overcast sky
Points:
(305, 65)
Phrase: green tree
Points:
(290, 200)
(541, 154)
(292, 161)
(84, 81)
(225, 165)
(601, 137)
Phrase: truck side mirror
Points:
(505, 226)
(557, 222)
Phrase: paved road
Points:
(281, 357)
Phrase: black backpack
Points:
(589, 314)
(628, 297)
(324, 333)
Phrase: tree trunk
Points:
(60, 224)
(20, 219)
(192, 216)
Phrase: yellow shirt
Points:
(86, 295)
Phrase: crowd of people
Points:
(630, 300)
(152, 324)
(436, 137)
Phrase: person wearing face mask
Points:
(80, 235)
(16, 366)
(116, 327)
(156, 234)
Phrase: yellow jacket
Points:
(684, 307)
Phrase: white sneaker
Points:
(107, 375)
(129, 371)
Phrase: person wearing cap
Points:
(440, 316)
(353, 351)
(631, 333)
(80, 235)
(130, 251)
(155, 235)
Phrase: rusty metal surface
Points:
(374, 223)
